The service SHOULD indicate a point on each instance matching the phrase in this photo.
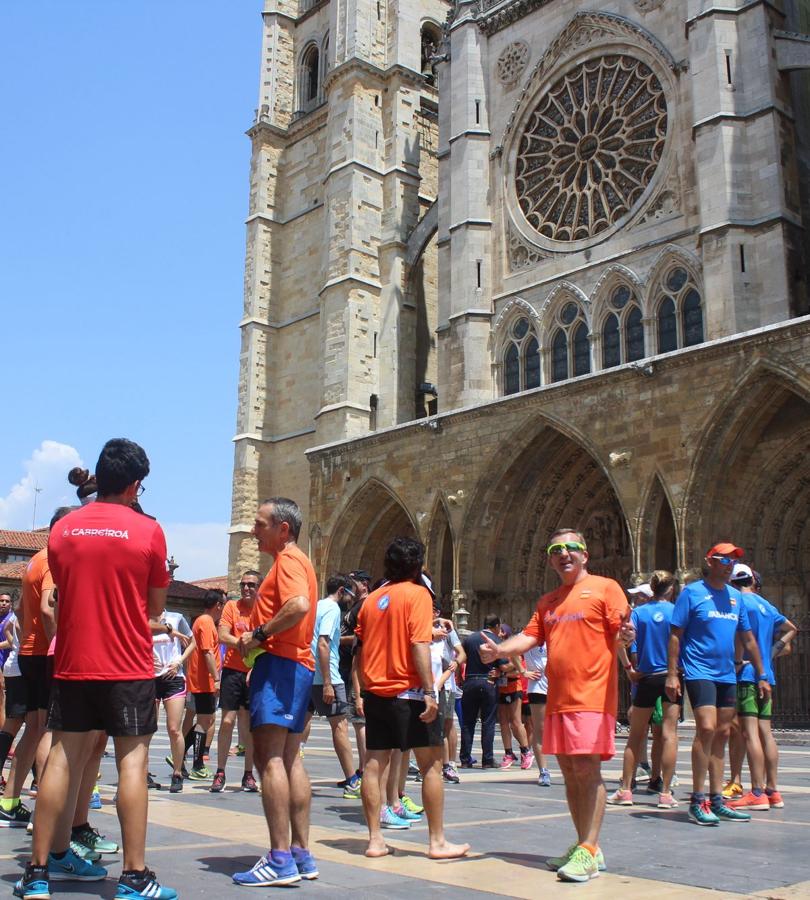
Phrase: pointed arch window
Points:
(623, 331)
(679, 311)
(634, 334)
(521, 358)
(611, 343)
(559, 356)
(309, 78)
(570, 344)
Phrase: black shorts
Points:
(38, 674)
(650, 689)
(514, 697)
(233, 690)
(205, 704)
(330, 710)
(535, 699)
(393, 723)
(121, 708)
(703, 692)
(16, 697)
(170, 688)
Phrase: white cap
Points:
(641, 589)
(740, 572)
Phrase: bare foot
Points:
(448, 851)
(376, 849)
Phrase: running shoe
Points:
(90, 837)
(666, 801)
(389, 819)
(468, 763)
(526, 760)
(449, 774)
(177, 784)
(656, 785)
(675, 780)
(581, 866)
(357, 775)
(84, 852)
(218, 784)
(95, 799)
(405, 814)
(268, 873)
(183, 769)
(29, 828)
(544, 779)
(621, 798)
(151, 784)
(775, 800)
(238, 750)
(555, 862)
(489, 764)
(305, 863)
(200, 773)
(33, 789)
(412, 807)
(19, 817)
(643, 773)
(508, 761)
(727, 814)
(249, 783)
(352, 790)
(732, 789)
(72, 868)
(413, 771)
(750, 801)
(702, 814)
(143, 884)
(34, 884)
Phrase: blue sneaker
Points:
(389, 819)
(544, 779)
(404, 813)
(305, 863)
(269, 873)
(73, 868)
(143, 884)
(33, 886)
(95, 800)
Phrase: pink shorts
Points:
(580, 734)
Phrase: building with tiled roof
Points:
(16, 546)
(220, 583)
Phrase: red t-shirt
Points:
(35, 581)
(291, 576)
(198, 677)
(104, 558)
(236, 618)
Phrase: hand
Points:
(672, 686)
(453, 666)
(431, 710)
(494, 674)
(360, 707)
(533, 675)
(329, 694)
(246, 644)
(172, 669)
(438, 633)
(185, 639)
(634, 676)
(488, 651)
(764, 690)
(216, 686)
(627, 633)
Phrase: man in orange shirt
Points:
(581, 622)
(233, 695)
(394, 634)
(202, 676)
(283, 622)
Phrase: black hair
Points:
(252, 572)
(120, 464)
(211, 598)
(748, 581)
(492, 621)
(335, 582)
(286, 510)
(84, 482)
(60, 513)
(403, 559)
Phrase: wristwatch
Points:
(259, 634)
(430, 694)
(169, 628)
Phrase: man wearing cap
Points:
(708, 617)
(753, 709)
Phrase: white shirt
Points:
(167, 649)
(11, 668)
(535, 661)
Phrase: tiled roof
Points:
(23, 540)
(12, 571)
(220, 583)
(183, 590)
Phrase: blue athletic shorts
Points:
(280, 689)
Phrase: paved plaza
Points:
(197, 840)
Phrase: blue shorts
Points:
(703, 692)
(280, 689)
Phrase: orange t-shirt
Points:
(291, 576)
(198, 677)
(578, 624)
(236, 617)
(35, 581)
(391, 619)
(513, 683)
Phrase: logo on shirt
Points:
(383, 602)
(715, 614)
(100, 532)
(551, 618)
(732, 602)
(658, 617)
(762, 609)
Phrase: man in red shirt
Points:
(394, 634)
(283, 622)
(109, 565)
(581, 622)
(202, 677)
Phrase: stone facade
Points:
(588, 237)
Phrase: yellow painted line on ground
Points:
(496, 874)
(800, 891)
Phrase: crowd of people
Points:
(92, 653)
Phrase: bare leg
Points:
(226, 723)
(718, 750)
(639, 723)
(771, 753)
(655, 752)
(503, 722)
(89, 778)
(756, 758)
(429, 760)
(43, 749)
(705, 727)
(360, 738)
(174, 712)
(371, 792)
(538, 721)
(24, 753)
(572, 794)
(516, 725)
(269, 743)
(300, 791)
(669, 740)
(132, 757)
(342, 745)
(246, 738)
(590, 797)
(736, 751)
(392, 781)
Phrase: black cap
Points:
(360, 575)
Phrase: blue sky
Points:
(124, 192)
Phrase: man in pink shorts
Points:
(581, 623)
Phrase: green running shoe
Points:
(557, 862)
(412, 807)
(84, 852)
(89, 837)
(727, 814)
(582, 866)
(701, 814)
(201, 774)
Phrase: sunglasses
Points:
(568, 547)
(248, 584)
(724, 560)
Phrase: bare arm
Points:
(357, 684)
(672, 685)
(420, 654)
(461, 656)
(225, 636)
(752, 649)
(323, 659)
(211, 663)
(516, 645)
(47, 612)
(787, 632)
(156, 602)
(8, 636)
(288, 616)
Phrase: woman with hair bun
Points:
(85, 484)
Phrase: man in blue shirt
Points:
(328, 689)
(754, 711)
(707, 618)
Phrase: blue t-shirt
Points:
(327, 624)
(765, 619)
(710, 620)
(652, 621)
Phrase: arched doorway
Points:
(658, 539)
(439, 555)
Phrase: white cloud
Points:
(45, 470)
(200, 549)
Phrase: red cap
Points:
(726, 550)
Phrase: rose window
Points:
(591, 148)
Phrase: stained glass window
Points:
(531, 365)
(582, 354)
(692, 319)
(511, 380)
(559, 356)
(667, 326)
(634, 335)
(611, 345)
